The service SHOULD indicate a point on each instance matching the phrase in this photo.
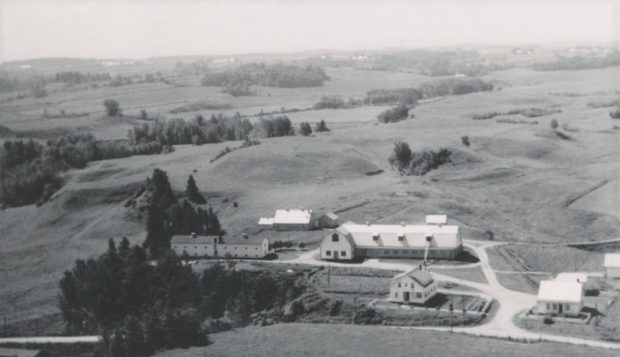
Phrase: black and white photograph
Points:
(309, 178)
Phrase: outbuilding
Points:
(612, 265)
(215, 247)
(412, 287)
(290, 220)
(558, 297)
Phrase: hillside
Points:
(522, 181)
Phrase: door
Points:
(406, 296)
(560, 308)
(335, 254)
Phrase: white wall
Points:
(613, 273)
(329, 247)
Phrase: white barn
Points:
(211, 246)
(290, 220)
(612, 265)
(357, 241)
(558, 297)
(415, 286)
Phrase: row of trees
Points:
(274, 75)
(75, 77)
(29, 172)
(396, 114)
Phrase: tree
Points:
(321, 126)
(465, 140)
(395, 114)
(143, 114)
(156, 236)
(305, 129)
(401, 156)
(112, 107)
(192, 192)
(554, 124)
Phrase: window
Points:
(335, 237)
(395, 252)
(548, 306)
(343, 253)
(328, 252)
(399, 285)
(395, 295)
(418, 295)
(386, 252)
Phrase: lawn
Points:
(350, 340)
(467, 273)
(519, 282)
(554, 259)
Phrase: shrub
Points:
(305, 129)
(418, 163)
(401, 156)
(465, 140)
(112, 107)
(143, 114)
(554, 124)
(321, 126)
(393, 115)
(615, 114)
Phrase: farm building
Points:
(415, 286)
(357, 241)
(212, 246)
(290, 220)
(558, 297)
(16, 352)
(327, 220)
(612, 265)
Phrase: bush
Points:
(554, 124)
(418, 163)
(615, 114)
(112, 107)
(393, 115)
(465, 140)
(305, 129)
(321, 126)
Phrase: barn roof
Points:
(403, 236)
(15, 352)
(422, 277)
(236, 240)
(288, 216)
(612, 260)
(560, 291)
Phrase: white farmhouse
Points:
(558, 297)
(612, 265)
(357, 241)
(290, 220)
(415, 286)
(212, 246)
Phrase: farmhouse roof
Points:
(560, 291)
(612, 260)
(422, 277)
(436, 219)
(403, 236)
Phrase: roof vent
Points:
(244, 235)
(375, 236)
(193, 235)
(429, 238)
(401, 237)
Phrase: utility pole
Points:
(329, 274)
(463, 302)
(354, 310)
(451, 311)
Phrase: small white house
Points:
(415, 286)
(558, 297)
(290, 220)
(612, 265)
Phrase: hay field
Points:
(328, 340)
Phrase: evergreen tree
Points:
(116, 348)
(192, 192)
(156, 237)
(133, 337)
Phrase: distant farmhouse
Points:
(213, 246)
(560, 297)
(433, 240)
(415, 286)
(612, 265)
(290, 220)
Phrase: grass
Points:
(525, 284)
(467, 273)
(553, 259)
(350, 340)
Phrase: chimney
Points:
(429, 238)
(193, 235)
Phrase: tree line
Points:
(419, 163)
(75, 77)
(29, 171)
(273, 75)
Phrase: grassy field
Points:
(552, 259)
(518, 181)
(349, 340)
(472, 273)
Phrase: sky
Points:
(141, 29)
